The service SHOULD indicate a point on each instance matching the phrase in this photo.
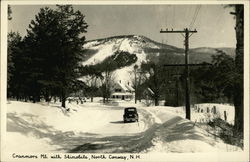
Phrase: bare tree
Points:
(92, 81)
(108, 79)
(154, 80)
(138, 77)
(135, 81)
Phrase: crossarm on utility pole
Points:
(186, 32)
(178, 31)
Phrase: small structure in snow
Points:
(148, 96)
(148, 93)
(123, 92)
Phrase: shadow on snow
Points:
(171, 130)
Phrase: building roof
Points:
(121, 94)
(150, 91)
(122, 86)
(129, 88)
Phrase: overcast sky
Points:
(214, 23)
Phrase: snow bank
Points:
(89, 117)
(60, 120)
(48, 128)
(177, 134)
(17, 142)
(201, 113)
(223, 111)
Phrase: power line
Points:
(173, 16)
(195, 16)
(188, 13)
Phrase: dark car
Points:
(130, 115)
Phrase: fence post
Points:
(225, 115)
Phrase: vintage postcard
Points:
(124, 80)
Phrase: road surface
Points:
(115, 136)
(86, 128)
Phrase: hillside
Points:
(145, 49)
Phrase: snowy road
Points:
(96, 128)
(87, 128)
(118, 137)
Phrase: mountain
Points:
(207, 52)
(145, 49)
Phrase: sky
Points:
(214, 23)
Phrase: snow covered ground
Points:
(203, 113)
(94, 127)
(177, 134)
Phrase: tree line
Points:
(207, 84)
(46, 61)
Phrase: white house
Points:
(122, 91)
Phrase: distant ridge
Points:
(145, 49)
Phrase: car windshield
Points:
(130, 110)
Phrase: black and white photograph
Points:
(124, 80)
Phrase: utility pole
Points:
(188, 112)
(177, 77)
(187, 34)
(135, 88)
(135, 71)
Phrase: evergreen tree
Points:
(14, 41)
(72, 25)
(215, 83)
(41, 45)
(55, 43)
